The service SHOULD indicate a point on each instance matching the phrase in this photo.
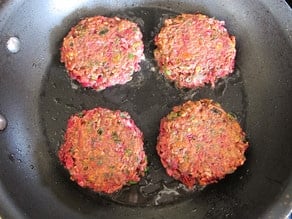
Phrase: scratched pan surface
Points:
(37, 98)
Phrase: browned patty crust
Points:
(103, 150)
(199, 143)
(100, 52)
(193, 50)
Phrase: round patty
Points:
(193, 49)
(100, 52)
(199, 143)
(103, 150)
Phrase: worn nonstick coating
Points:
(37, 98)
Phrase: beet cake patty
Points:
(193, 49)
(100, 52)
(199, 143)
(103, 150)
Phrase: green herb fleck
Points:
(99, 131)
(128, 152)
(92, 63)
(173, 115)
(80, 27)
(99, 161)
(232, 116)
(80, 30)
(168, 72)
(80, 114)
(131, 55)
(146, 169)
(115, 137)
(186, 158)
(103, 31)
(132, 182)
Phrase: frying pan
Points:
(37, 97)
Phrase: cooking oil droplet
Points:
(189, 95)
(11, 157)
(235, 77)
(3, 123)
(220, 88)
(184, 188)
(13, 44)
(57, 100)
(74, 86)
(19, 160)
(153, 69)
(165, 195)
(69, 106)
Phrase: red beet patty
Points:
(199, 143)
(100, 52)
(103, 150)
(193, 50)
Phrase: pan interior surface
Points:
(148, 97)
(39, 98)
